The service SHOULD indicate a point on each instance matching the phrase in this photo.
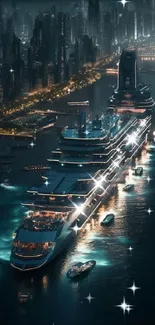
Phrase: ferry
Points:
(139, 171)
(79, 269)
(108, 219)
(128, 187)
(83, 166)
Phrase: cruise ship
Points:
(83, 168)
(130, 95)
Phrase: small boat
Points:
(36, 168)
(128, 187)
(109, 218)
(6, 184)
(24, 297)
(80, 268)
(139, 171)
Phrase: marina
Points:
(109, 246)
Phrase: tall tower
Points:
(1, 32)
(61, 47)
(94, 18)
(127, 76)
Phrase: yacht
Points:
(86, 161)
(128, 188)
(108, 219)
(80, 269)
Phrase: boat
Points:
(36, 168)
(24, 297)
(79, 269)
(109, 218)
(87, 157)
(139, 171)
(6, 184)
(128, 187)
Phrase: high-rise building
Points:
(61, 54)
(94, 19)
(108, 34)
(127, 76)
(1, 32)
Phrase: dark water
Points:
(56, 300)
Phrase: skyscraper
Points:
(61, 55)
(94, 19)
(108, 34)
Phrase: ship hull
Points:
(61, 244)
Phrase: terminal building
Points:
(130, 95)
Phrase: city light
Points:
(143, 123)
(32, 144)
(124, 2)
(131, 139)
(80, 209)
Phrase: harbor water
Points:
(55, 299)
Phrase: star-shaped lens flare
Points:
(130, 249)
(149, 179)
(132, 139)
(149, 211)
(76, 229)
(89, 298)
(134, 288)
(32, 144)
(124, 2)
(124, 306)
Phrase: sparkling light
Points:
(98, 183)
(79, 208)
(130, 249)
(134, 288)
(143, 123)
(149, 179)
(76, 228)
(123, 2)
(46, 183)
(89, 298)
(149, 211)
(11, 70)
(132, 139)
(116, 164)
(124, 306)
(32, 144)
